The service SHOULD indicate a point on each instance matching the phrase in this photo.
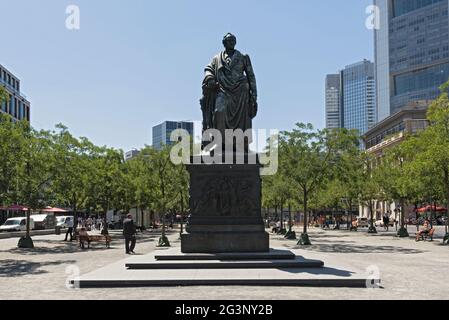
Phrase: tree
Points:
(4, 96)
(36, 175)
(431, 147)
(106, 178)
(370, 188)
(142, 181)
(306, 156)
(73, 169)
(164, 190)
(12, 144)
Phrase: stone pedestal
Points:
(225, 210)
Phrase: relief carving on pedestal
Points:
(225, 196)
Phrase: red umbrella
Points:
(431, 208)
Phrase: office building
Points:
(18, 106)
(131, 154)
(358, 98)
(333, 110)
(162, 132)
(411, 52)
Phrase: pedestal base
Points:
(221, 242)
(225, 209)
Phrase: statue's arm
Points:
(209, 73)
(251, 77)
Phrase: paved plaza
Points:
(408, 269)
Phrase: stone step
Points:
(298, 282)
(176, 255)
(298, 263)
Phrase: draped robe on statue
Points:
(231, 103)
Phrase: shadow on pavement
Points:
(321, 271)
(17, 268)
(343, 248)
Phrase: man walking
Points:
(386, 221)
(69, 229)
(129, 232)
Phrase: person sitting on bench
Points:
(354, 225)
(427, 231)
(83, 236)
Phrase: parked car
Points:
(44, 221)
(380, 223)
(63, 221)
(16, 224)
(362, 222)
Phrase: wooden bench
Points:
(97, 238)
(427, 236)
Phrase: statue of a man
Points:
(229, 90)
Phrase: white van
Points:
(16, 224)
(62, 221)
(44, 221)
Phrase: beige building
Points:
(390, 132)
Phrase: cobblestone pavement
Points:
(408, 269)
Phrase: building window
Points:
(423, 79)
(401, 7)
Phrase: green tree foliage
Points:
(4, 96)
(53, 168)
(429, 152)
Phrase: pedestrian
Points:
(386, 221)
(89, 224)
(69, 229)
(129, 232)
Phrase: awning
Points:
(15, 207)
(431, 209)
(54, 210)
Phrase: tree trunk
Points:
(75, 215)
(28, 223)
(290, 218)
(142, 218)
(305, 211)
(417, 217)
(372, 228)
(182, 214)
(350, 213)
(447, 211)
(282, 217)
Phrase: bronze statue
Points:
(229, 90)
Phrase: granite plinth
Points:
(225, 209)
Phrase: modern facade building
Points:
(411, 52)
(351, 98)
(131, 154)
(358, 98)
(162, 132)
(18, 106)
(333, 98)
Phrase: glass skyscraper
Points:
(18, 106)
(333, 110)
(162, 132)
(358, 98)
(411, 52)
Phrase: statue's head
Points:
(229, 41)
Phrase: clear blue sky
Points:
(137, 63)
